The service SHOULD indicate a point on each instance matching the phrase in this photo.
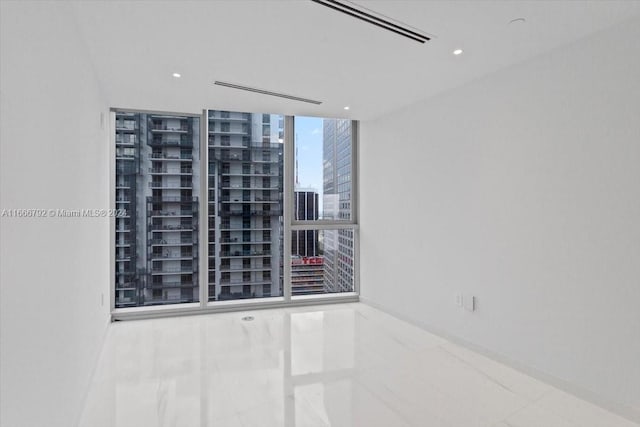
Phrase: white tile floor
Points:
(337, 365)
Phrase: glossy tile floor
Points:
(337, 365)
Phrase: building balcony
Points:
(241, 269)
(166, 171)
(172, 199)
(172, 271)
(128, 285)
(227, 199)
(318, 281)
(268, 146)
(173, 242)
(243, 118)
(172, 214)
(307, 278)
(244, 242)
(242, 132)
(273, 212)
(171, 257)
(177, 227)
(224, 147)
(227, 186)
(172, 157)
(173, 284)
(122, 127)
(250, 173)
(169, 143)
(163, 128)
(242, 282)
(240, 228)
(163, 186)
(125, 143)
(307, 270)
(244, 254)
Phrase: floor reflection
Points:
(337, 365)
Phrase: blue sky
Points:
(308, 132)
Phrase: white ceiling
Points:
(304, 49)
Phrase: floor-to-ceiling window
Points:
(324, 218)
(157, 189)
(228, 207)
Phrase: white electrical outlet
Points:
(470, 303)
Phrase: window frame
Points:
(324, 224)
(289, 225)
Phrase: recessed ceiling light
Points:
(177, 75)
(457, 51)
(346, 108)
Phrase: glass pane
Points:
(321, 261)
(323, 167)
(245, 205)
(157, 186)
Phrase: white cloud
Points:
(315, 131)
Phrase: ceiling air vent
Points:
(266, 92)
(375, 20)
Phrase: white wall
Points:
(53, 270)
(522, 188)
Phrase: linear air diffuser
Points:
(375, 20)
(266, 92)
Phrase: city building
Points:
(157, 182)
(307, 266)
(245, 205)
(306, 207)
(307, 275)
(338, 244)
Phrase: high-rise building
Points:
(338, 244)
(157, 163)
(305, 242)
(245, 204)
(307, 275)
(127, 153)
(306, 264)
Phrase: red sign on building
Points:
(312, 260)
